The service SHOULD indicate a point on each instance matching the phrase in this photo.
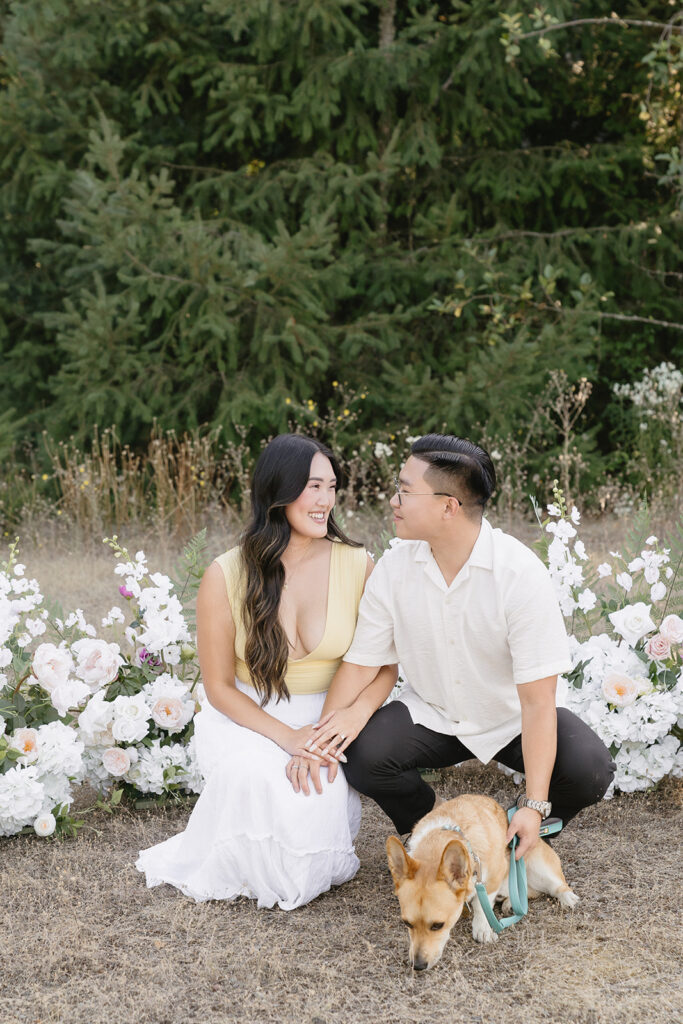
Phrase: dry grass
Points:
(84, 942)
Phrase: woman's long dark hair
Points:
(280, 476)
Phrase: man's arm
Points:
(539, 747)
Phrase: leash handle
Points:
(517, 880)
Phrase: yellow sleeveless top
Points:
(312, 673)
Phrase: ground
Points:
(86, 943)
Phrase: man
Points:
(471, 615)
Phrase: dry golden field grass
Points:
(84, 942)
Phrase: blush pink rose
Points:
(672, 629)
(658, 647)
(25, 740)
(116, 761)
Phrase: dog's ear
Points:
(401, 865)
(455, 864)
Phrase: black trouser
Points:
(383, 763)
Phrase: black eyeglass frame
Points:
(421, 494)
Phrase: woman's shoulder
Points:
(231, 564)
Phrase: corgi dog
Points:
(457, 844)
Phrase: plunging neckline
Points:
(297, 661)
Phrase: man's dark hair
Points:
(459, 467)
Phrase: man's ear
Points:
(454, 868)
(401, 865)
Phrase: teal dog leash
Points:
(517, 883)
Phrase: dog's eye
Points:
(407, 924)
(437, 926)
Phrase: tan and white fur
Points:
(435, 876)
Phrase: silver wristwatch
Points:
(543, 807)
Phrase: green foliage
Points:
(211, 205)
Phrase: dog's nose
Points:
(419, 965)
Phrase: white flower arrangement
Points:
(77, 709)
(627, 644)
(40, 755)
(137, 726)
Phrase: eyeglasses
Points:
(419, 494)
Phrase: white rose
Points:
(25, 740)
(116, 761)
(131, 719)
(5, 657)
(625, 581)
(129, 730)
(52, 666)
(69, 695)
(672, 629)
(620, 689)
(632, 622)
(95, 721)
(97, 663)
(45, 824)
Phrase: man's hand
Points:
(525, 824)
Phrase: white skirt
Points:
(249, 833)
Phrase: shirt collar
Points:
(481, 555)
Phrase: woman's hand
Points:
(333, 733)
(297, 771)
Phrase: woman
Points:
(274, 618)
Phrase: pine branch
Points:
(621, 22)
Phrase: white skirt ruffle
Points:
(249, 833)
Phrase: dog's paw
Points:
(506, 907)
(483, 932)
(568, 899)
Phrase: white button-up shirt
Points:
(463, 648)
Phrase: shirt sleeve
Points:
(373, 640)
(536, 632)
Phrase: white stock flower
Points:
(97, 662)
(632, 622)
(651, 540)
(5, 657)
(575, 515)
(117, 761)
(604, 569)
(554, 510)
(658, 591)
(52, 666)
(620, 689)
(45, 824)
(586, 600)
(580, 550)
(672, 629)
(115, 615)
(171, 654)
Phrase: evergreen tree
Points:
(209, 206)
